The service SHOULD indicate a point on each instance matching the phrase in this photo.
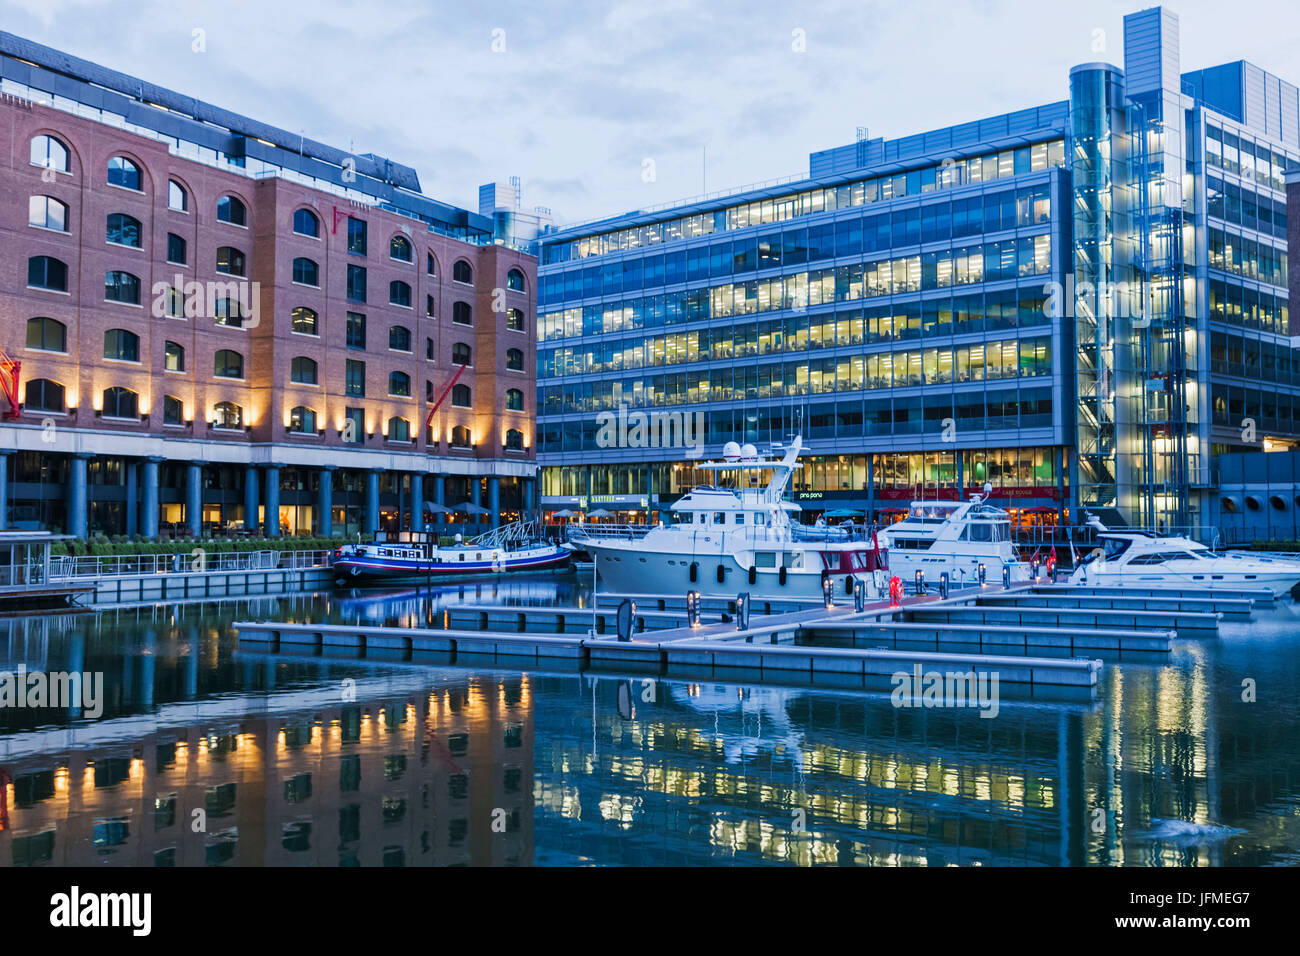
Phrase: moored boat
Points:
(1145, 559)
(734, 537)
(957, 538)
(418, 555)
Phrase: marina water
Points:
(206, 754)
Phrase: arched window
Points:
(177, 198)
(399, 338)
(46, 212)
(230, 313)
(432, 265)
(227, 415)
(48, 335)
(305, 271)
(399, 248)
(173, 410)
(515, 360)
(302, 371)
(125, 173)
(514, 400)
(399, 384)
(174, 357)
(514, 440)
(399, 429)
(302, 420)
(305, 223)
(514, 320)
(399, 293)
(460, 396)
(461, 354)
(231, 210)
(462, 271)
(228, 363)
(230, 261)
(120, 403)
(121, 287)
(123, 230)
(462, 314)
(121, 345)
(50, 153)
(515, 280)
(304, 320)
(176, 249)
(42, 395)
(46, 272)
(172, 302)
(460, 437)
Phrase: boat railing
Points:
(583, 531)
(510, 536)
(830, 533)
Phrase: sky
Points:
(600, 108)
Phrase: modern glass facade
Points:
(1040, 288)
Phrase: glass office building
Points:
(1078, 303)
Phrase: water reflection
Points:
(305, 760)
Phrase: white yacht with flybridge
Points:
(957, 538)
(1145, 559)
(734, 536)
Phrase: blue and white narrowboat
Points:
(417, 555)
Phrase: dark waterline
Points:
(207, 754)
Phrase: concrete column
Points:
(526, 496)
(476, 495)
(961, 474)
(76, 495)
(250, 498)
(871, 486)
(494, 501)
(440, 496)
(417, 501)
(132, 498)
(149, 508)
(325, 502)
(370, 521)
(194, 497)
(271, 520)
(4, 488)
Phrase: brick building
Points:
(219, 325)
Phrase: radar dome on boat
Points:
(748, 451)
(731, 451)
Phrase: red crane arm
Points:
(442, 395)
(9, 369)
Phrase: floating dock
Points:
(1030, 634)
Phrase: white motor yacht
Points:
(1142, 558)
(956, 537)
(733, 537)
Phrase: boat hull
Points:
(368, 568)
(1280, 583)
(641, 571)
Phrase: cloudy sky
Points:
(578, 98)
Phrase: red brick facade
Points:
(268, 346)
